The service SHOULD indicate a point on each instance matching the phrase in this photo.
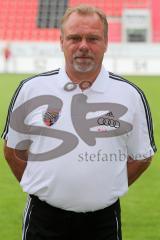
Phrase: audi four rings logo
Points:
(108, 121)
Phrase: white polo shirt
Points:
(79, 141)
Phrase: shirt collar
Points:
(100, 84)
(102, 81)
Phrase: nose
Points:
(83, 45)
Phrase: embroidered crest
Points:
(50, 117)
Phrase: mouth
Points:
(83, 57)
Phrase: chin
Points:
(84, 69)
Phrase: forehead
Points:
(78, 23)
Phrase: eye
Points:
(74, 38)
(92, 39)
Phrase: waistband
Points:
(44, 205)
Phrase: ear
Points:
(106, 45)
(61, 42)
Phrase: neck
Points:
(78, 77)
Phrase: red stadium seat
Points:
(18, 18)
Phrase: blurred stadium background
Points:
(30, 28)
(29, 43)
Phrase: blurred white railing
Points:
(34, 57)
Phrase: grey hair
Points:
(84, 9)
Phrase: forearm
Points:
(135, 168)
(17, 160)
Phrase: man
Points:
(6, 56)
(77, 137)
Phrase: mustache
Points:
(85, 55)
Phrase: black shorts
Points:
(44, 222)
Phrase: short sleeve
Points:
(11, 136)
(141, 143)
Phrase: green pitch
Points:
(140, 206)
